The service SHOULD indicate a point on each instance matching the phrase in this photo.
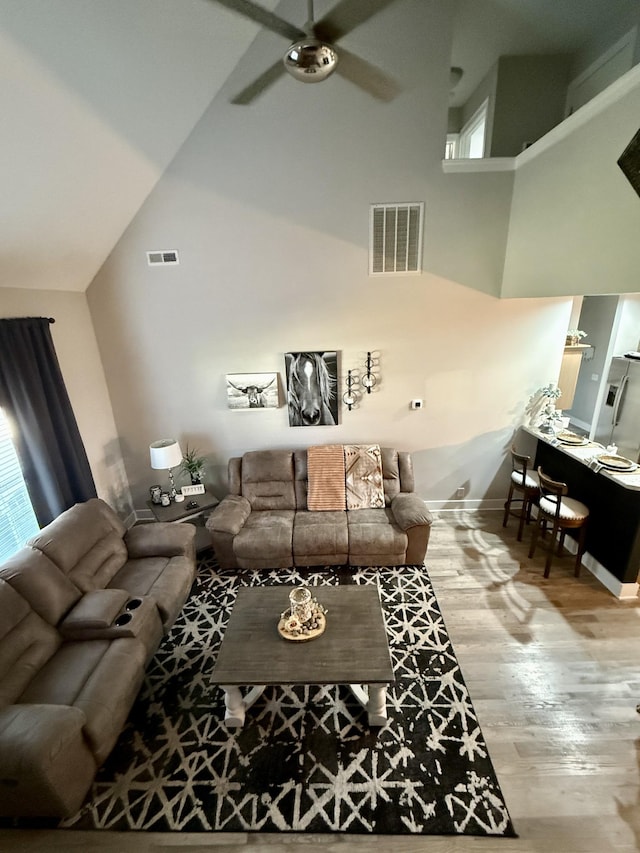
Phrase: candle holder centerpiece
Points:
(304, 619)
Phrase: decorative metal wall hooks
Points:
(368, 380)
(350, 396)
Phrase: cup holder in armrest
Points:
(133, 604)
(123, 619)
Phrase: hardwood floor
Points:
(551, 666)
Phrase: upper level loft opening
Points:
(520, 67)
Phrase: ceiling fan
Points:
(311, 56)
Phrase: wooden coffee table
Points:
(353, 649)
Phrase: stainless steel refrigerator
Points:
(619, 419)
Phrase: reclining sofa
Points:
(83, 607)
(264, 521)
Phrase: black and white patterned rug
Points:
(306, 759)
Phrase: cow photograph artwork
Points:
(252, 391)
(312, 388)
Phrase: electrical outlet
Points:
(460, 492)
(594, 377)
(416, 404)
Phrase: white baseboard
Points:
(611, 582)
(464, 505)
(616, 587)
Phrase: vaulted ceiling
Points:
(98, 97)
(487, 29)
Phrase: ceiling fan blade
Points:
(260, 84)
(365, 75)
(263, 16)
(346, 16)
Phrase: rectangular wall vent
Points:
(162, 258)
(395, 238)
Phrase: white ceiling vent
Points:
(395, 238)
(162, 258)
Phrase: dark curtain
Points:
(33, 396)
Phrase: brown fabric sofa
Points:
(83, 607)
(264, 522)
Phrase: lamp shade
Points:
(165, 453)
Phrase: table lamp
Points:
(166, 454)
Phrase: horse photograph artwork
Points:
(312, 388)
(251, 391)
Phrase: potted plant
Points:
(193, 465)
(574, 336)
(542, 408)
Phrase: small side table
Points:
(178, 512)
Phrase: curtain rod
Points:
(48, 319)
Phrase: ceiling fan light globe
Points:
(310, 60)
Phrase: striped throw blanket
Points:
(326, 488)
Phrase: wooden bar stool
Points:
(563, 512)
(524, 482)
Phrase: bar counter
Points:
(613, 498)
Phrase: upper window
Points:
(473, 134)
(451, 146)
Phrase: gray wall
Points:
(526, 97)
(268, 207)
(485, 90)
(597, 320)
(529, 100)
(619, 25)
(627, 336)
(575, 219)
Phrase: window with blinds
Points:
(395, 244)
(17, 518)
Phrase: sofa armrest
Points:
(46, 767)
(409, 511)
(95, 611)
(412, 516)
(106, 614)
(224, 523)
(230, 515)
(162, 539)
